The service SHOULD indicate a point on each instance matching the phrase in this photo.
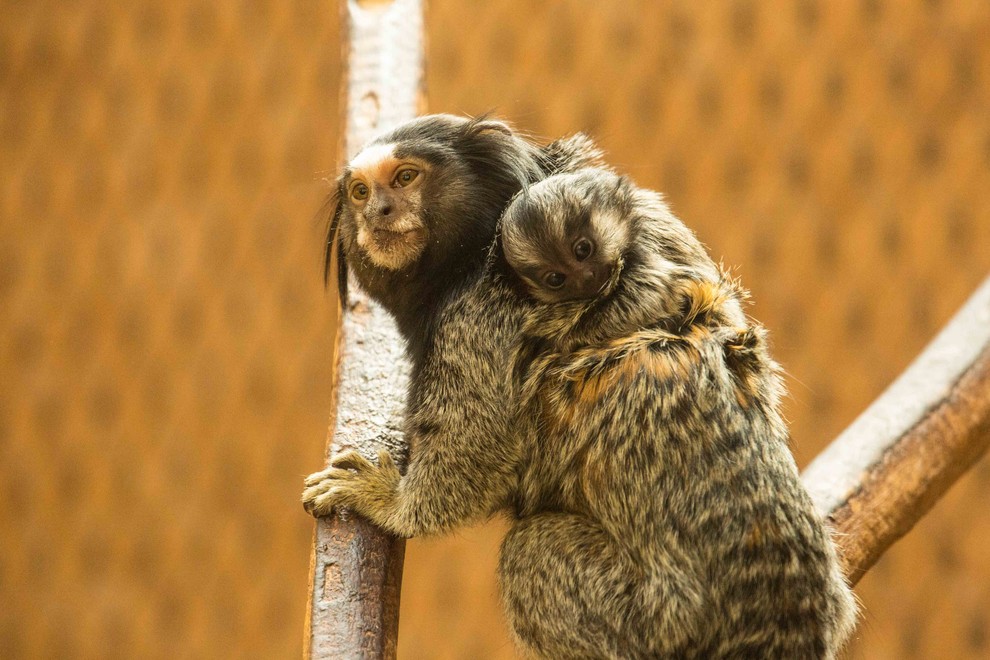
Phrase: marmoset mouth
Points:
(386, 239)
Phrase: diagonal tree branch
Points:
(898, 458)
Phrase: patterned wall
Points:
(165, 340)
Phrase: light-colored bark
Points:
(355, 568)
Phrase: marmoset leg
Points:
(569, 591)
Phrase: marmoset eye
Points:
(406, 176)
(359, 192)
(554, 280)
(583, 249)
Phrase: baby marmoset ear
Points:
(624, 184)
(333, 208)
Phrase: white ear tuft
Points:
(493, 126)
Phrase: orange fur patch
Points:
(705, 299)
(378, 164)
(590, 389)
(678, 363)
(379, 172)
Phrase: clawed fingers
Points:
(321, 503)
(348, 460)
(349, 480)
(317, 477)
(327, 477)
(330, 477)
(320, 498)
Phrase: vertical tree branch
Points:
(355, 568)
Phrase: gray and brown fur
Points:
(659, 508)
(463, 312)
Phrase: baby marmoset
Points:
(660, 509)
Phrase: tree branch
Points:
(355, 568)
(898, 458)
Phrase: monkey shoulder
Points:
(658, 365)
(467, 361)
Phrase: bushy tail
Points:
(845, 609)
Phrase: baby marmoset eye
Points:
(583, 248)
(554, 280)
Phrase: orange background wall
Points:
(165, 339)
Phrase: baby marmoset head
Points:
(565, 237)
(603, 257)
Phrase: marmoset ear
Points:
(483, 125)
(624, 185)
(334, 207)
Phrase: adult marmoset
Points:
(660, 513)
(416, 211)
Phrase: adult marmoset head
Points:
(417, 208)
(605, 256)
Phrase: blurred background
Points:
(165, 339)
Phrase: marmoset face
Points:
(567, 267)
(566, 235)
(383, 194)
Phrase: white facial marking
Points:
(392, 250)
(370, 157)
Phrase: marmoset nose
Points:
(380, 213)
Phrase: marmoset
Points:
(416, 211)
(660, 513)
(462, 315)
